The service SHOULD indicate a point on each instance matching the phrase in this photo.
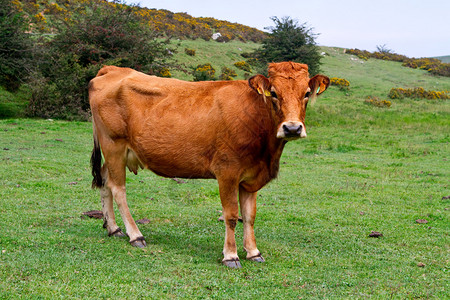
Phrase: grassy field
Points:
(361, 169)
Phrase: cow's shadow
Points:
(200, 240)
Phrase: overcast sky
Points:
(416, 28)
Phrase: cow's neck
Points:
(275, 154)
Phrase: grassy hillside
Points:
(377, 76)
(218, 54)
(373, 77)
(43, 14)
(361, 169)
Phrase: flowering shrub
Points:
(182, 25)
(190, 52)
(422, 63)
(164, 72)
(243, 65)
(343, 84)
(442, 70)
(432, 65)
(227, 74)
(419, 92)
(364, 54)
(375, 101)
(204, 72)
(167, 23)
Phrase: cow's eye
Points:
(273, 94)
(307, 94)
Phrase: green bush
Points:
(15, 46)
(97, 33)
(204, 72)
(63, 94)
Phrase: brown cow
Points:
(233, 131)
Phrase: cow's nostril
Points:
(292, 129)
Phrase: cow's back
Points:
(176, 128)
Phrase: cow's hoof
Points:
(139, 242)
(117, 233)
(232, 263)
(257, 258)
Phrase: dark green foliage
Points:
(15, 46)
(290, 41)
(62, 92)
(103, 32)
(97, 34)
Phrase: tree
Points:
(99, 31)
(15, 46)
(384, 49)
(92, 34)
(290, 41)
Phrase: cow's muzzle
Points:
(291, 131)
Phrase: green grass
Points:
(361, 169)
(13, 104)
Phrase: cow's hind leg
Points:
(115, 159)
(228, 196)
(107, 208)
(247, 202)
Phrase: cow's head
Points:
(290, 89)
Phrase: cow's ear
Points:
(260, 84)
(318, 84)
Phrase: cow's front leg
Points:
(228, 196)
(248, 210)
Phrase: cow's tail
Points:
(96, 161)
